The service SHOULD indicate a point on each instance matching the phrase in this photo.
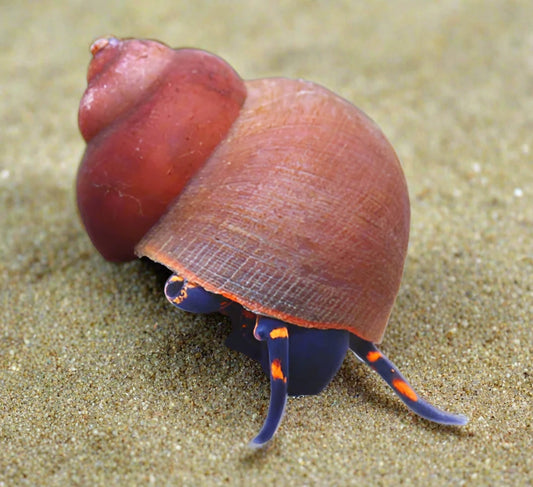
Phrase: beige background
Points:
(103, 383)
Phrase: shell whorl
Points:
(151, 116)
(301, 213)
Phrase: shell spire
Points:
(151, 116)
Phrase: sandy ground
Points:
(103, 383)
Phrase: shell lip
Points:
(141, 250)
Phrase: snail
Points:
(272, 201)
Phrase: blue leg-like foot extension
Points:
(190, 297)
(277, 337)
(368, 353)
(193, 298)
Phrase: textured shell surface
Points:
(300, 213)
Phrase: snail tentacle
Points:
(275, 333)
(368, 353)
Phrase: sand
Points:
(102, 382)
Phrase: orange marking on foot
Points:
(275, 370)
(405, 389)
(279, 333)
(373, 356)
(182, 296)
(175, 278)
